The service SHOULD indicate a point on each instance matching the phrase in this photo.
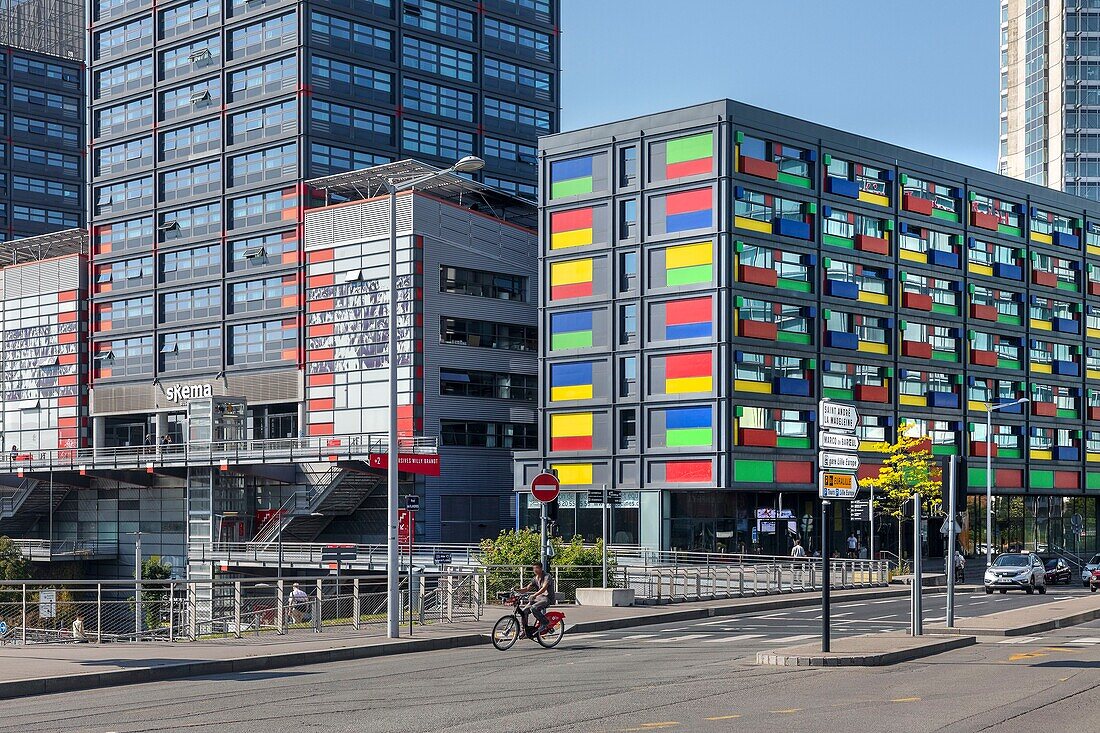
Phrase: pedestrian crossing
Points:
(671, 636)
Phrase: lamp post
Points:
(989, 409)
(468, 164)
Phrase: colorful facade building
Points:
(711, 272)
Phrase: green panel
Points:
(757, 472)
(1009, 453)
(944, 356)
(1041, 479)
(792, 442)
(789, 337)
(799, 285)
(794, 180)
(975, 476)
(835, 241)
(1010, 320)
(1067, 413)
(685, 437)
(1067, 286)
(1006, 229)
(692, 147)
(838, 394)
(1092, 479)
(945, 215)
(948, 310)
(688, 275)
(576, 340)
(944, 450)
(571, 187)
(1008, 364)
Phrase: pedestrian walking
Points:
(853, 544)
(798, 550)
(297, 602)
(79, 635)
(14, 452)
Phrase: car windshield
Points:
(1012, 561)
(1051, 564)
(1095, 560)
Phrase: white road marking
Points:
(715, 623)
(727, 639)
(852, 605)
(1087, 640)
(1021, 640)
(685, 637)
(586, 636)
(888, 600)
(796, 637)
(638, 636)
(838, 615)
(879, 618)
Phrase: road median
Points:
(872, 650)
(1024, 621)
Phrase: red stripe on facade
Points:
(573, 290)
(688, 168)
(688, 365)
(686, 201)
(692, 310)
(572, 442)
(567, 221)
(688, 472)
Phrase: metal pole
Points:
(988, 485)
(392, 557)
(542, 538)
(918, 611)
(413, 527)
(51, 515)
(825, 576)
(871, 515)
(279, 577)
(951, 542)
(137, 585)
(603, 513)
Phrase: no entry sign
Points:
(545, 486)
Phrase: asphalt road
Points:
(691, 676)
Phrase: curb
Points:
(1073, 619)
(879, 659)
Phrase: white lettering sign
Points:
(837, 416)
(841, 461)
(837, 485)
(183, 392)
(837, 441)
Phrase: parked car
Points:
(1058, 571)
(1094, 580)
(1016, 571)
(1086, 572)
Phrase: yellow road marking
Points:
(787, 711)
(723, 717)
(1026, 655)
(906, 699)
(652, 726)
(1065, 649)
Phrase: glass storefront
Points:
(576, 516)
(1043, 524)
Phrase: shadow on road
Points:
(1070, 664)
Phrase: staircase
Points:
(338, 492)
(21, 508)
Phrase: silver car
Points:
(1086, 572)
(1016, 571)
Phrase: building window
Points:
(358, 38)
(66, 164)
(265, 35)
(267, 341)
(488, 335)
(129, 76)
(132, 313)
(482, 283)
(511, 151)
(628, 323)
(123, 358)
(516, 188)
(123, 38)
(186, 305)
(434, 58)
(191, 263)
(263, 165)
(191, 140)
(193, 181)
(628, 271)
(45, 69)
(513, 77)
(628, 376)
(628, 219)
(64, 134)
(263, 208)
(488, 385)
(201, 349)
(477, 434)
(328, 159)
(434, 99)
(119, 236)
(438, 18)
(518, 37)
(515, 116)
(67, 191)
(127, 116)
(352, 79)
(271, 249)
(197, 221)
(254, 124)
(270, 77)
(628, 429)
(440, 142)
(267, 294)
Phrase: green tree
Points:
(510, 555)
(909, 468)
(153, 600)
(13, 566)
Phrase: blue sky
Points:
(918, 73)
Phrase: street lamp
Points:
(989, 410)
(468, 164)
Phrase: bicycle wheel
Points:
(505, 632)
(551, 638)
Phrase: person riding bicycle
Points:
(543, 594)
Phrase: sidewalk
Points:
(48, 668)
(1021, 621)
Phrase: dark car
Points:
(1094, 581)
(1058, 571)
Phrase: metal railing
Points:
(314, 553)
(65, 549)
(310, 449)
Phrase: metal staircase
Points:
(338, 492)
(21, 508)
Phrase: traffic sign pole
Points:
(950, 620)
(545, 488)
(837, 464)
(603, 513)
(825, 575)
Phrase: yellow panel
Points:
(744, 385)
(879, 298)
(981, 270)
(571, 424)
(1041, 325)
(869, 347)
(1041, 455)
(874, 198)
(1042, 368)
(1042, 238)
(914, 400)
(572, 474)
(572, 392)
(689, 255)
(906, 254)
(742, 222)
(1093, 333)
(975, 405)
(871, 446)
(1092, 373)
(680, 385)
(1093, 249)
(574, 238)
(571, 272)
(1092, 457)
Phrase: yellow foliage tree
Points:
(909, 468)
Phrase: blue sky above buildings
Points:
(919, 74)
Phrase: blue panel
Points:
(792, 228)
(1010, 272)
(841, 289)
(1062, 453)
(791, 386)
(842, 340)
(843, 187)
(1065, 325)
(1067, 240)
(943, 399)
(688, 220)
(1065, 368)
(942, 259)
(1015, 409)
(688, 331)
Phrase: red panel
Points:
(1094, 288)
(981, 448)
(318, 306)
(757, 275)
(756, 437)
(322, 354)
(868, 470)
(681, 203)
(66, 359)
(67, 296)
(916, 349)
(1094, 413)
(322, 329)
(984, 220)
(794, 472)
(685, 472)
(572, 442)
(322, 380)
(66, 338)
(761, 168)
(876, 245)
(983, 358)
(696, 364)
(323, 428)
(318, 405)
(692, 310)
(869, 393)
(1067, 480)
(757, 330)
(66, 317)
(567, 221)
(320, 281)
(572, 290)
(924, 445)
(1046, 279)
(688, 168)
(916, 204)
(916, 301)
(984, 312)
(320, 255)
(1044, 409)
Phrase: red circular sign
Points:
(545, 487)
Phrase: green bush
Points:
(573, 562)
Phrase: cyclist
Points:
(542, 595)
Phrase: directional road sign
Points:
(860, 511)
(840, 461)
(442, 558)
(837, 416)
(837, 485)
(412, 502)
(837, 441)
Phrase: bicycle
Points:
(508, 628)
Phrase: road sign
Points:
(545, 486)
(837, 416)
(412, 502)
(836, 485)
(860, 511)
(442, 558)
(837, 441)
(406, 527)
(595, 497)
(47, 604)
(3, 629)
(338, 553)
(841, 461)
(614, 497)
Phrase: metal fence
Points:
(37, 612)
